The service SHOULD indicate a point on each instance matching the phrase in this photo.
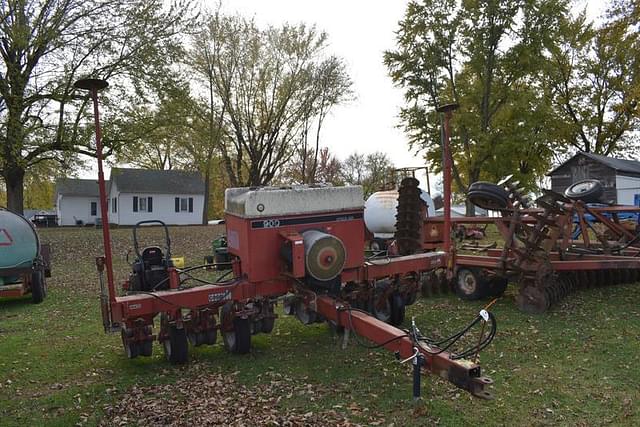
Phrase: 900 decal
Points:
(271, 223)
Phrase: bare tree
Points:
(262, 84)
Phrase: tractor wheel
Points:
(38, 287)
(588, 190)
(397, 309)
(176, 346)
(497, 286)
(469, 285)
(487, 195)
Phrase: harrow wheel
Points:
(176, 346)
(469, 285)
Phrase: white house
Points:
(134, 195)
(77, 201)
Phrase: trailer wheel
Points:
(469, 285)
(397, 309)
(38, 287)
(176, 346)
(497, 286)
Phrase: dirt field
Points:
(576, 365)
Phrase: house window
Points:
(114, 205)
(142, 204)
(184, 204)
(94, 208)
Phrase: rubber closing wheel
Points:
(38, 287)
(239, 339)
(176, 346)
(397, 309)
(588, 190)
(487, 195)
(469, 284)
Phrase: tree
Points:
(265, 86)
(373, 171)
(485, 56)
(594, 77)
(47, 45)
(327, 168)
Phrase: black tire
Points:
(383, 313)
(242, 331)
(397, 309)
(588, 190)
(497, 286)
(487, 195)
(38, 287)
(267, 324)
(176, 346)
(469, 284)
(378, 245)
(131, 349)
(146, 348)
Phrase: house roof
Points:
(621, 165)
(77, 187)
(157, 181)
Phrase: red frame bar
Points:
(462, 373)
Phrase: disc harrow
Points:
(555, 248)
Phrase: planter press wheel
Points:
(131, 350)
(588, 190)
(175, 344)
(237, 339)
(469, 284)
(487, 195)
(397, 309)
(38, 287)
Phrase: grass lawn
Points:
(578, 364)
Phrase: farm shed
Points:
(619, 177)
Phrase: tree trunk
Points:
(207, 189)
(14, 179)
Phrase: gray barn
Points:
(620, 178)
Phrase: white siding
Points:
(627, 187)
(163, 209)
(70, 209)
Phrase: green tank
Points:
(19, 244)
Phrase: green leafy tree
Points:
(46, 46)
(486, 56)
(593, 74)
